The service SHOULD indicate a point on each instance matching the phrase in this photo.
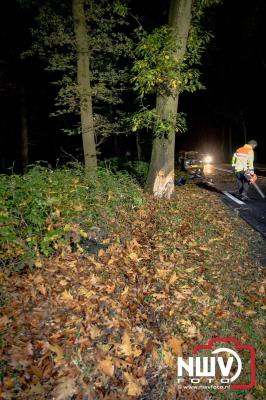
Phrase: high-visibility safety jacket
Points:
(243, 159)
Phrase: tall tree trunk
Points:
(160, 179)
(83, 77)
(24, 133)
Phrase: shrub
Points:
(39, 209)
(137, 169)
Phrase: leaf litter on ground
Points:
(111, 326)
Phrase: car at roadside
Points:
(193, 161)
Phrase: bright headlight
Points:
(208, 159)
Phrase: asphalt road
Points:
(221, 178)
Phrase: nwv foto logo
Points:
(228, 369)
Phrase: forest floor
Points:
(111, 326)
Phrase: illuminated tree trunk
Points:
(83, 77)
(160, 179)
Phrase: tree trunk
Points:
(83, 77)
(160, 179)
(24, 133)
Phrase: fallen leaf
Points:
(188, 270)
(38, 263)
(34, 370)
(106, 366)
(137, 352)
(204, 248)
(155, 355)
(105, 347)
(260, 388)
(86, 293)
(159, 296)
(262, 290)
(65, 389)
(55, 348)
(4, 321)
(38, 279)
(134, 243)
(8, 383)
(119, 362)
(94, 332)
(126, 346)
(21, 356)
(36, 389)
(125, 291)
(176, 346)
(192, 331)
(43, 345)
(173, 279)
(63, 282)
(134, 257)
(110, 289)
(250, 312)
(42, 289)
(162, 273)
(168, 358)
(66, 295)
(133, 388)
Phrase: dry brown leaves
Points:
(112, 326)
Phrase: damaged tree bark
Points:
(160, 181)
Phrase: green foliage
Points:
(110, 55)
(120, 9)
(149, 119)
(137, 169)
(40, 208)
(158, 70)
(145, 118)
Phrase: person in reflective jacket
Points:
(243, 166)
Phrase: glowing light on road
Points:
(208, 159)
(208, 169)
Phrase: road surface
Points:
(252, 210)
(220, 178)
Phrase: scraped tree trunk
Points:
(24, 133)
(83, 77)
(160, 179)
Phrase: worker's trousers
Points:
(242, 182)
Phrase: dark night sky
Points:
(233, 71)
